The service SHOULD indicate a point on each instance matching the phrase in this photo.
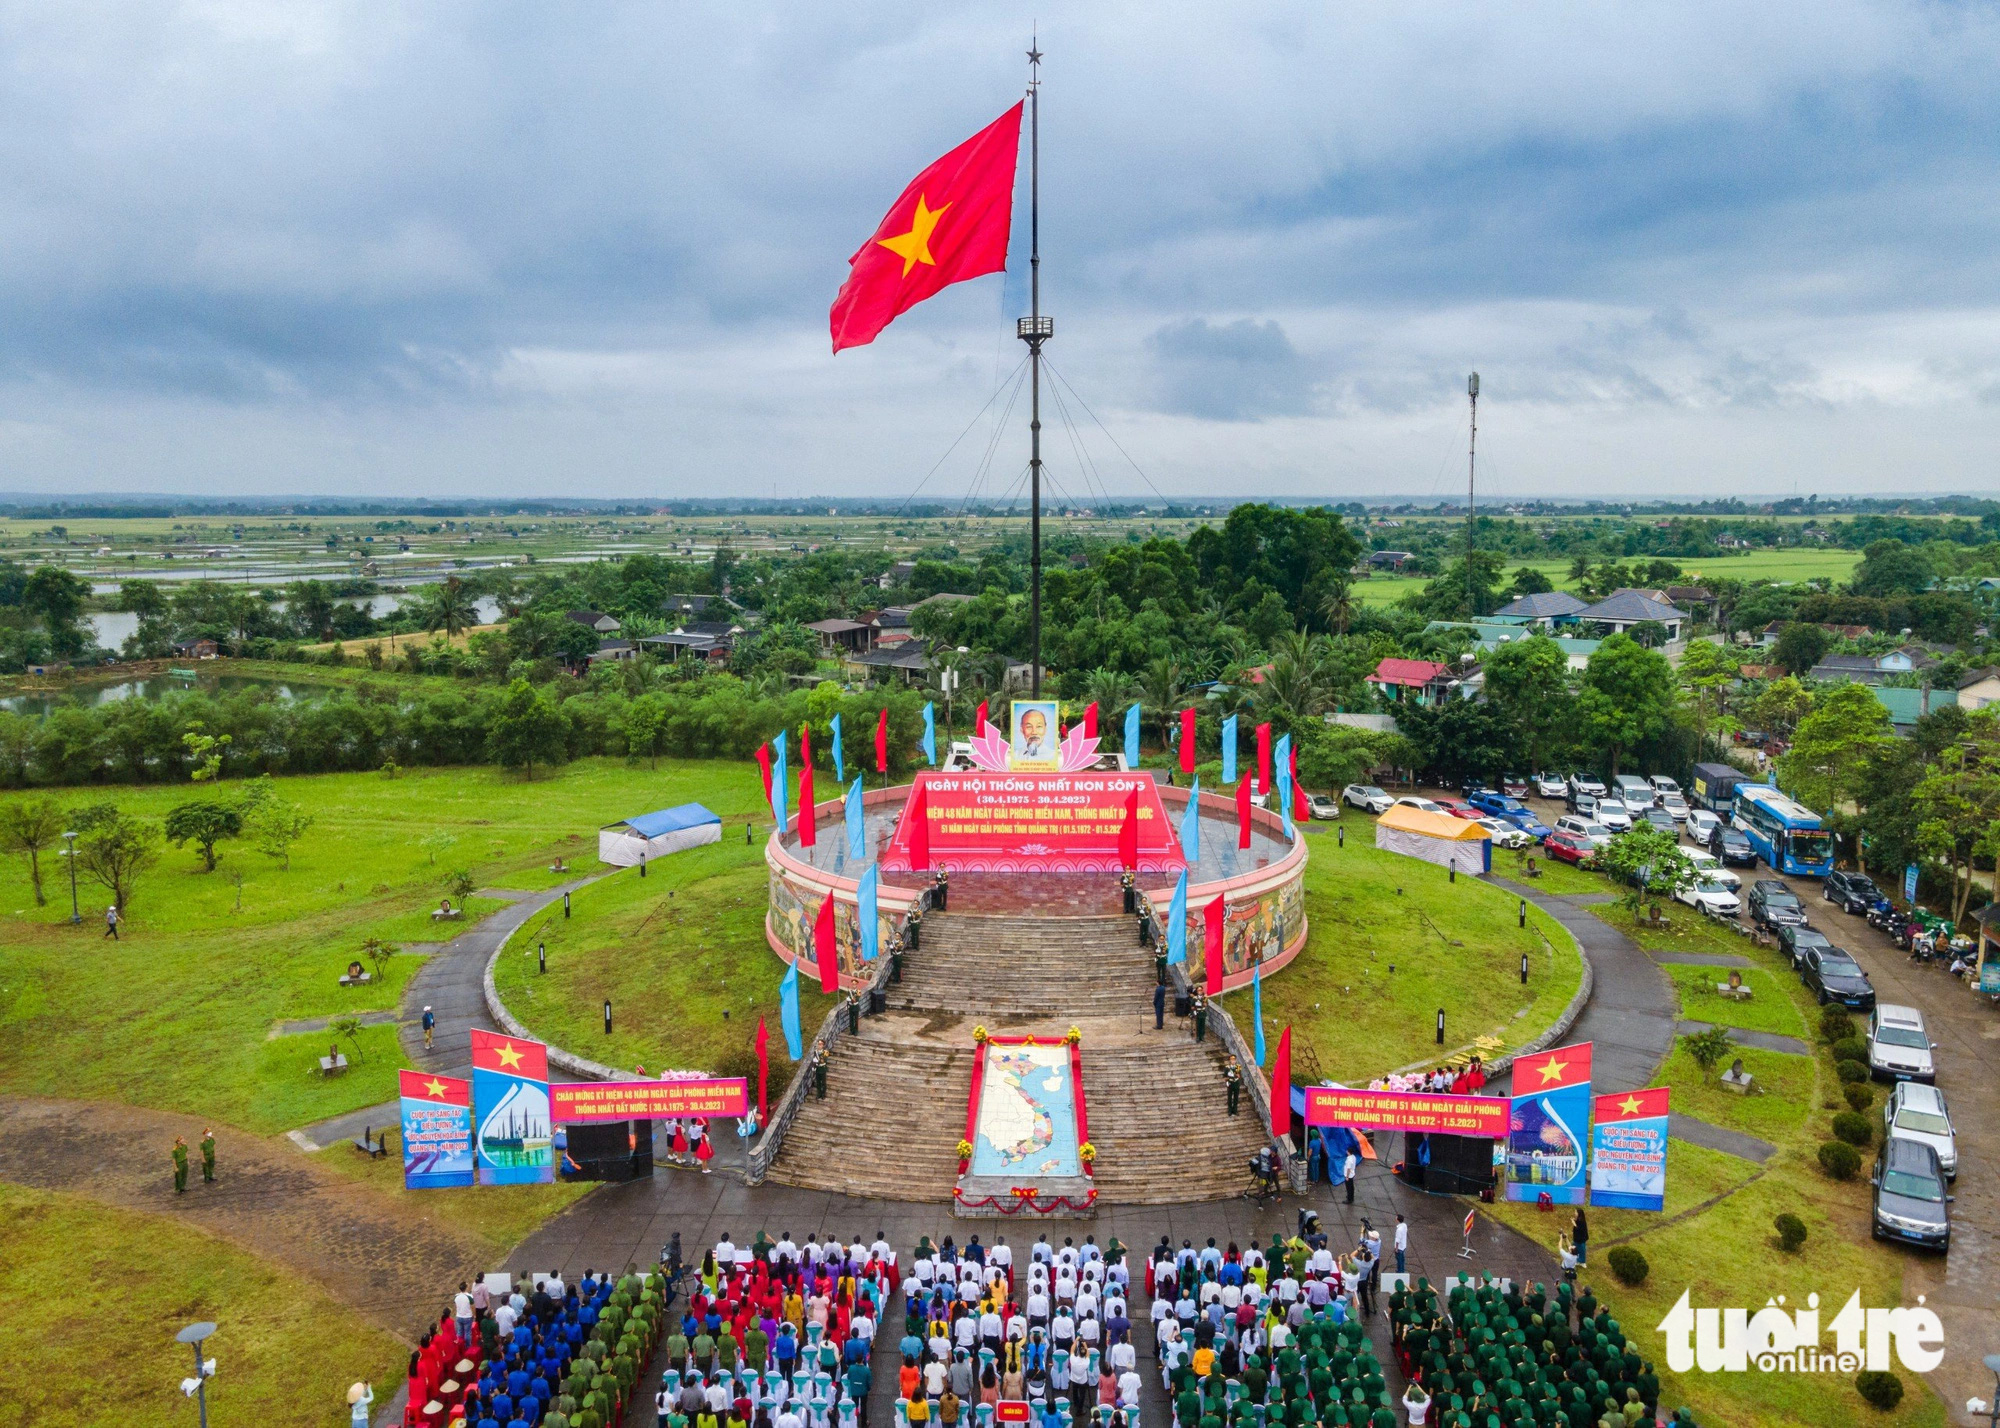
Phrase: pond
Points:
(39, 705)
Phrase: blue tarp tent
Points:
(654, 835)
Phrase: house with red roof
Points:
(1422, 680)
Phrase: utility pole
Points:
(1471, 470)
(1034, 330)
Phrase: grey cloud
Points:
(1236, 371)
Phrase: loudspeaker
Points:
(610, 1150)
(1460, 1165)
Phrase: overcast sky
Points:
(527, 249)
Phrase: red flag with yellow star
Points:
(512, 1055)
(950, 224)
(1552, 1070)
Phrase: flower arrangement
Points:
(979, 1035)
(965, 1150)
(1087, 1153)
(1072, 1036)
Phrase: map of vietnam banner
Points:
(437, 1130)
(1628, 1150)
(510, 1088)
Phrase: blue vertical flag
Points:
(1229, 749)
(930, 734)
(778, 793)
(839, 768)
(1191, 825)
(1132, 737)
(788, 1011)
(1282, 757)
(1257, 1005)
(866, 912)
(1177, 923)
(857, 824)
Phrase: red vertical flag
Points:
(825, 949)
(1301, 809)
(1128, 833)
(764, 767)
(1211, 936)
(1281, 1086)
(882, 743)
(808, 826)
(920, 830)
(1263, 758)
(979, 720)
(1243, 812)
(950, 224)
(1090, 720)
(1187, 741)
(763, 1073)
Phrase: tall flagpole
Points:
(1034, 330)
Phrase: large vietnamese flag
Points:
(950, 224)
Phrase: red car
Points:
(1569, 847)
(1459, 808)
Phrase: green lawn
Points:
(1768, 1009)
(177, 1013)
(1782, 1087)
(100, 1293)
(1695, 1175)
(502, 1219)
(681, 955)
(1777, 565)
(1365, 992)
(1555, 878)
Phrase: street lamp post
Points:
(193, 1335)
(75, 912)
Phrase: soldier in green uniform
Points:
(180, 1165)
(1200, 1017)
(1234, 1077)
(819, 1072)
(207, 1156)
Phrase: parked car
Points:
(1632, 791)
(1584, 805)
(1458, 808)
(1834, 976)
(1661, 819)
(1506, 835)
(1511, 811)
(1367, 796)
(1410, 800)
(1585, 783)
(1918, 1112)
(1611, 813)
(1710, 866)
(1566, 846)
(1662, 785)
(1476, 788)
(1794, 940)
(1911, 1202)
(1854, 892)
(1773, 904)
(1513, 785)
(1732, 845)
(1322, 805)
(1701, 826)
(1711, 897)
(1550, 785)
(1595, 834)
(1899, 1045)
(1675, 805)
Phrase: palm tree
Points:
(1338, 603)
(449, 606)
(1293, 694)
(1161, 686)
(1112, 691)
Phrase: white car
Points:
(1410, 800)
(1900, 1045)
(1917, 1112)
(1322, 806)
(1701, 826)
(1611, 813)
(1505, 834)
(1712, 897)
(1663, 785)
(1597, 833)
(1366, 795)
(1711, 869)
(1550, 785)
(1675, 805)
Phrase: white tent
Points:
(654, 835)
(1436, 838)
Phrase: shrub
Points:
(1851, 1048)
(1839, 1159)
(1791, 1232)
(1628, 1264)
(1708, 1048)
(1881, 1388)
(1860, 1095)
(1854, 1128)
(1835, 1024)
(1852, 1072)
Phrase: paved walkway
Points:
(386, 1264)
(1762, 1040)
(452, 982)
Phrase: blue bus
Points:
(1786, 834)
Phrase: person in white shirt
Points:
(1281, 1335)
(925, 1271)
(1038, 1307)
(881, 1249)
(1062, 1332)
(862, 1326)
(787, 1418)
(1128, 1388)
(725, 1250)
(1417, 1404)
(505, 1317)
(936, 1374)
(718, 1397)
(1088, 1332)
(965, 1332)
(1001, 1254)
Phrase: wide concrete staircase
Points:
(895, 1106)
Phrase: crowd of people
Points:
(544, 1353)
(1466, 1080)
